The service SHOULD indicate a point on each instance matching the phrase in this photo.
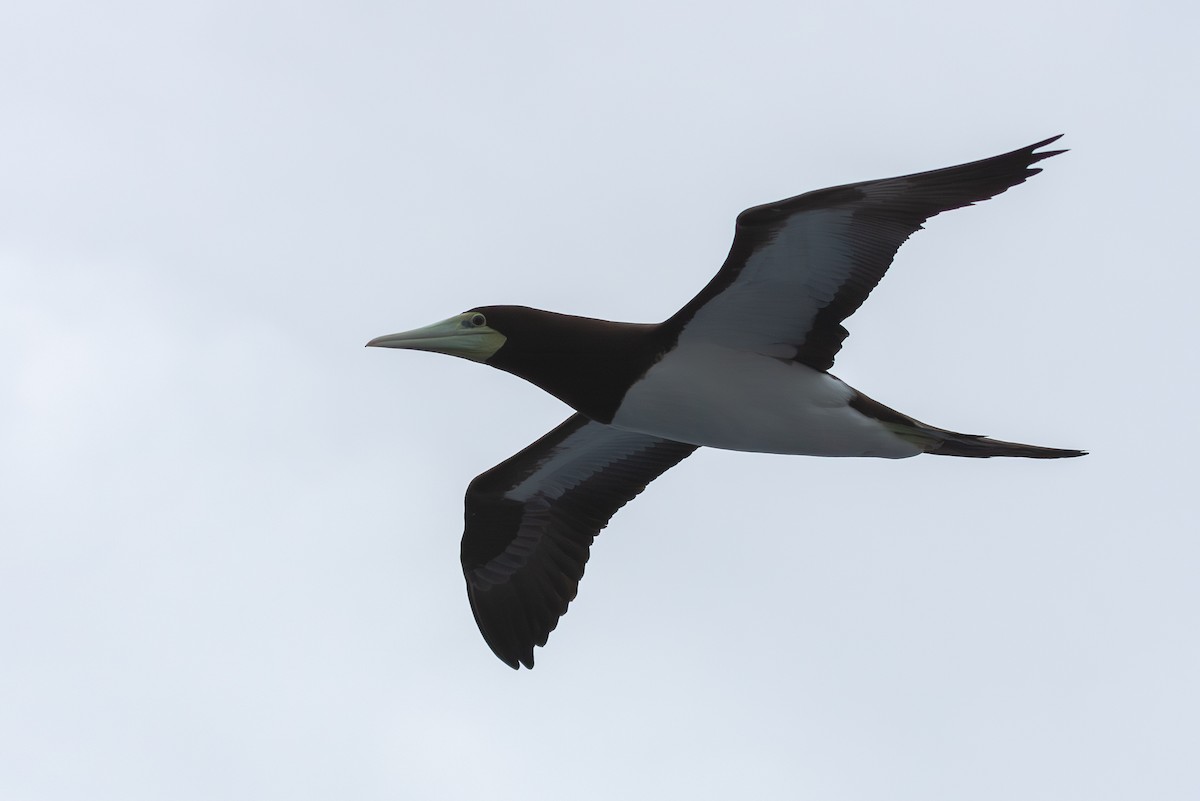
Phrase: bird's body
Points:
(742, 366)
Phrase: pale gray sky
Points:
(230, 533)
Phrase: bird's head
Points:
(584, 362)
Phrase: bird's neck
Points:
(586, 363)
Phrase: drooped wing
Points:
(531, 519)
(801, 266)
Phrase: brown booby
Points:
(743, 366)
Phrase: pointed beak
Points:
(457, 336)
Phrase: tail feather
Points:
(950, 443)
(940, 442)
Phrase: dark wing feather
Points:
(531, 519)
(801, 266)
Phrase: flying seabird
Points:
(743, 366)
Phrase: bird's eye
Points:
(477, 320)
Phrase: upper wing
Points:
(531, 519)
(799, 267)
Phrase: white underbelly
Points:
(721, 398)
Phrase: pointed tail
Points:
(940, 442)
(949, 443)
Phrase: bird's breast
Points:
(744, 401)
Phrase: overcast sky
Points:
(229, 563)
